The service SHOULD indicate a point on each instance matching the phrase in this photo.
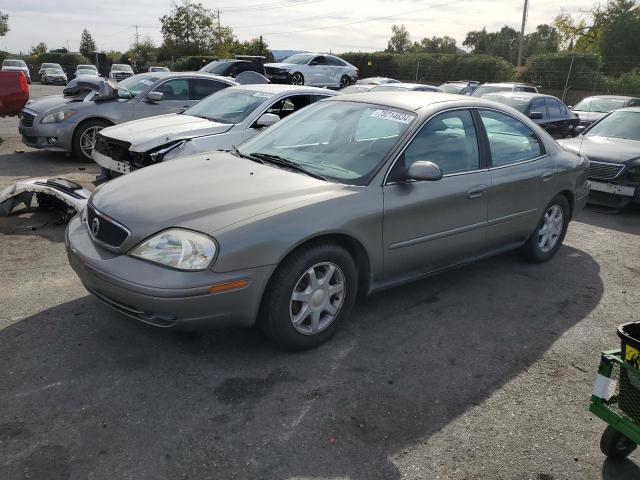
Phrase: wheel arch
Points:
(568, 194)
(91, 119)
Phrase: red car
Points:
(14, 92)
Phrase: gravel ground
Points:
(480, 373)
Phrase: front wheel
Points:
(615, 445)
(297, 79)
(546, 240)
(310, 293)
(84, 138)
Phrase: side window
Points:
(518, 89)
(286, 106)
(448, 140)
(529, 89)
(335, 62)
(318, 61)
(555, 108)
(634, 103)
(538, 105)
(176, 89)
(511, 141)
(201, 88)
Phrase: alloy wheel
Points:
(549, 233)
(317, 297)
(88, 140)
(297, 79)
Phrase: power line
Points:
(269, 6)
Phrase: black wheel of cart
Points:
(615, 445)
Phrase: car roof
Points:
(506, 84)
(617, 97)
(628, 109)
(408, 86)
(163, 75)
(527, 95)
(276, 88)
(413, 101)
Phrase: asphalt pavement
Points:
(484, 372)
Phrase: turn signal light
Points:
(226, 287)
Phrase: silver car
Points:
(220, 121)
(316, 69)
(408, 87)
(70, 123)
(10, 65)
(353, 194)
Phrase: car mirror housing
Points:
(580, 129)
(267, 119)
(536, 116)
(423, 170)
(154, 96)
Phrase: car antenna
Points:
(593, 93)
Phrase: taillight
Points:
(23, 83)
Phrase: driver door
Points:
(175, 97)
(319, 74)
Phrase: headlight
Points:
(177, 248)
(58, 117)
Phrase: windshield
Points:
(484, 89)
(355, 89)
(158, 69)
(453, 87)
(217, 67)
(228, 105)
(599, 104)
(519, 103)
(14, 63)
(86, 67)
(342, 141)
(86, 71)
(390, 88)
(120, 68)
(619, 124)
(299, 59)
(137, 83)
(50, 65)
(53, 71)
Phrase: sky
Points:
(314, 25)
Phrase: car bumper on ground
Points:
(109, 163)
(161, 296)
(56, 137)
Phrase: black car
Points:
(546, 110)
(613, 147)
(235, 66)
(461, 87)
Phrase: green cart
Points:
(616, 394)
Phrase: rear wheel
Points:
(310, 293)
(546, 240)
(297, 79)
(345, 81)
(615, 445)
(84, 138)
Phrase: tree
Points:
(39, 49)
(87, 44)
(255, 46)
(400, 41)
(4, 24)
(190, 29)
(503, 43)
(444, 44)
(546, 39)
(144, 50)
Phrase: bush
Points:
(192, 63)
(431, 68)
(627, 83)
(550, 70)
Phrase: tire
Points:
(539, 250)
(615, 445)
(333, 267)
(345, 81)
(79, 141)
(297, 79)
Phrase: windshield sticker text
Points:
(393, 116)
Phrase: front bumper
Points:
(161, 296)
(110, 164)
(38, 135)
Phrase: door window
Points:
(201, 88)
(538, 106)
(286, 106)
(449, 140)
(511, 141)
(335, 62)
(176, 89)
(555, 107)
(318, 61)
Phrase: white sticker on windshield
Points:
(263, 95)
(145, 81)
(393, 116)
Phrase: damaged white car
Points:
(220, 121)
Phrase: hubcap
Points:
(549, 233)
(88, 140)
(344, 82)
(297, 79)
(317, 298)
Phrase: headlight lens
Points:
(58, 116)
(177, 248)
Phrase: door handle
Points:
(476, 192)
(546, 176)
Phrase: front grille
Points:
(121, 76)
(27, 119)
(604, 171)
(115, 149)
(104, 229)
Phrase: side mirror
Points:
(267, 119)
(154, 96)
(570, 107)
(580, 129)
(536, 116)
(423, 170)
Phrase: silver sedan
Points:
(353, 194)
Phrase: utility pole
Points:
(137, 35)
(524, 23)
(218, 21)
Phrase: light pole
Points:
(524, 23)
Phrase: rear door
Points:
(538, 105)
(559, 121)
(319, 71)
(200, 88)
(521, 178)
(175, 97)
(429, 225)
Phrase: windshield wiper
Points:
(237, 153)
(278, 160)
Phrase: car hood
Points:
(589, 116)
(48, 103)
(284, 66)
(152, 132)
(603, 149)
(205, 192)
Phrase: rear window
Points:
(14, 63)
